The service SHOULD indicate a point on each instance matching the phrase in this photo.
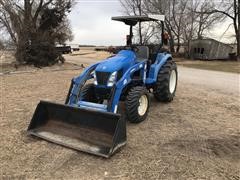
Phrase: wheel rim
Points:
(143, 105)
(173, 81)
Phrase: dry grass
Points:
(6, 57)
(98, 55)
(194, 137)
(224, 66)
(8, 63)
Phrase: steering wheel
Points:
(132, 47)
(135, 48)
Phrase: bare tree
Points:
(162, 7)
(189, 24)
(151, 33)
(230, 9)
(175, 12)
(178, 12)
(6, 15)
(196, 23)
(134, 7)
(185, 20)
(33, 24)
(206, 21)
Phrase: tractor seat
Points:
(143, 53)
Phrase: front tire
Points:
(137, 104)
(166, 85)
(88, 93)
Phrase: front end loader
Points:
(90, 121)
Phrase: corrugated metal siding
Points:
(209, 49)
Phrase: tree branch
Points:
(219, 11)
(40, 7)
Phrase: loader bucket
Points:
(95, 132)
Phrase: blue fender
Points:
(124, 81)
(154, 69)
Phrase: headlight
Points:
(112, 79)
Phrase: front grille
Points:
(102, 77)
(103, 93)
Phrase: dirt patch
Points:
(222, 147)
(194, 137)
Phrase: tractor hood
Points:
(122, 61)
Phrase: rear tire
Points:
(88, 93)
(137, 104)
(166, 85)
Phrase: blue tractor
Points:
(90, 120)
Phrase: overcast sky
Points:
(92, 25)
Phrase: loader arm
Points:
(77, 84)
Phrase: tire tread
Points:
(161, 89)
(132, 103)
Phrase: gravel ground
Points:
(194, 137)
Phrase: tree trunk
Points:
(238, 32)
(140, 24)
(171, 43)
(171, 40)
(199, 34)
(178, 42)
(21, 51)
(236, 28)
(188, 49)
(140, 33)
(238, 43)
(178, 46)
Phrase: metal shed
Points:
(209, 49)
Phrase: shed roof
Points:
(210, 39)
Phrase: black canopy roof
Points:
(133, 20)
